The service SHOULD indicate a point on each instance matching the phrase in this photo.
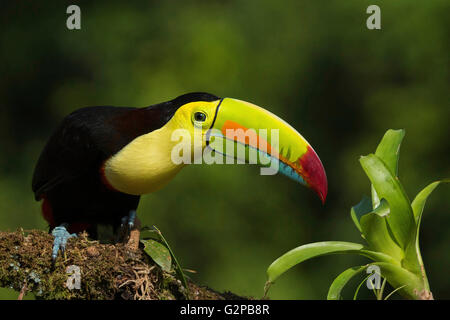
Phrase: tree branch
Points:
(106, 271)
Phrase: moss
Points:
(107, 271)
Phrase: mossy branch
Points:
(106, 271)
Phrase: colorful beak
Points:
(251, 134)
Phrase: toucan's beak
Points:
(271, 140)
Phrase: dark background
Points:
(313, 63)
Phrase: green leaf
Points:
(397, 277)
(376, 232)
(383, 209)
(373, 227)
(400, 219)
(308, 251)
(359, 286)
(178, 268)
(417, 206)
(357, 211)
(334, 293)
(312, 250)
(159, 253)
(419, 201)
(378, 256)
(394, 291)
(413, 259)
(388, 150)
(408, 284)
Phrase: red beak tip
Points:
(315, 173)
(323, 198)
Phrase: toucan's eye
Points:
(199, 117)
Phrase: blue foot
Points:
(129, 220)
(61, 236)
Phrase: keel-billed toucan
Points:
(99, 161)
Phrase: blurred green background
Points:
(313, 63)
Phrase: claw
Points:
(127, 224)
(131, 219)
(123, 220)
(61, 236)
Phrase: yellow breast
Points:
(144, 165)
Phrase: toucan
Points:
(101, 159)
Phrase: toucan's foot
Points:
(61, 236)
(128, 223)
(129, 230)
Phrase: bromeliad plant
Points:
(389, 223)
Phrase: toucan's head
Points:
(225, 124)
